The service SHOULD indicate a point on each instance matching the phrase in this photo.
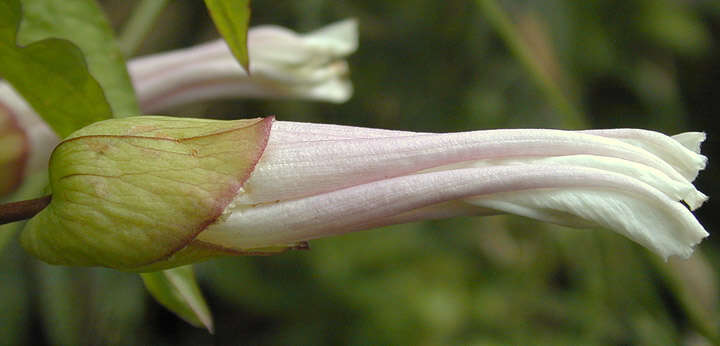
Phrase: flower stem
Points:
(22, 210)
(139, 25)
(506, 30)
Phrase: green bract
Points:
(133, 194)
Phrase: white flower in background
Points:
(13, 152)
(146, 193)
(284, 65)
(22, 133)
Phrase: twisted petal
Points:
(563, 194)
(331, 163)
(316, 180)
(680, 151)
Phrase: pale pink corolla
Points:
(316, 180)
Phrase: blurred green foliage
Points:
(43, 69)
(435, 66)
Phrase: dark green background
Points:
(436, 66)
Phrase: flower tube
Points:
(147, 193)
(284, 65)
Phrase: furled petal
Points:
(279, 46)
(549, 193)
(681, 151)
(314, 180)
(326, 165)
(691, 140)
(683, 156)
(677, 190)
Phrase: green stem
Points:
(23, 210)
(139, 25)
(504, 27)
(698, 320)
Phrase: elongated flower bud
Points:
(284, 65)
(154, 192)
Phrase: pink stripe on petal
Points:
(684, 158)
(298, 169)
(287, 132)
(351, 209)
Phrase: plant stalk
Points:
(504, 27)
(22, 210)
(139, 25)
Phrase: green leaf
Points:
(83, 23)
(232, 18)
(51, 75)
(177, 290)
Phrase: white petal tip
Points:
(691, 140)
(695, 200)
(343, 34)
(335, 91)
(686, 251)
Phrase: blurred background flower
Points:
(284, 65)
(14, 152)
(437, 66)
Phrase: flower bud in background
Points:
(14, 150)
(284, 65)
(147, 193)
(25, 140)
